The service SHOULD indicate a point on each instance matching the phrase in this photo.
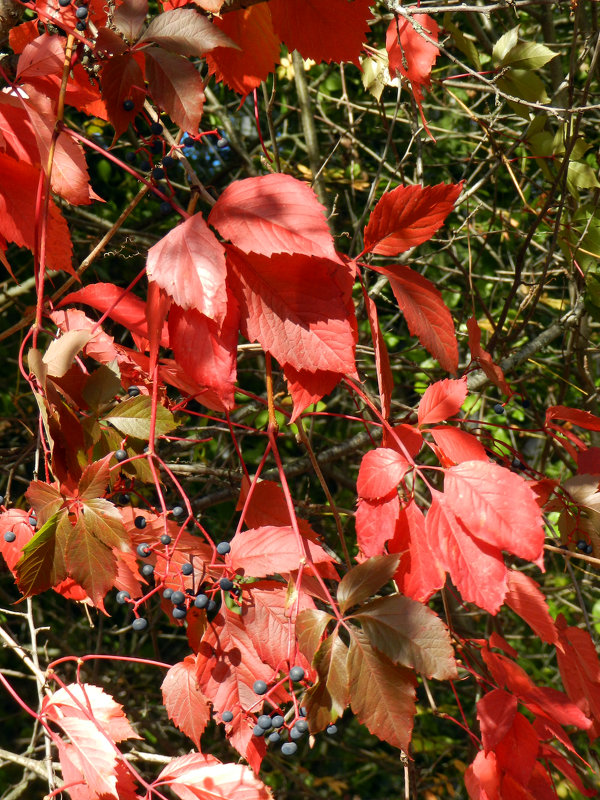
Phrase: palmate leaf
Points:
(409, 633)
(186, 705)
(382, 694)
(327, 699)
(131, 417)
(39, 568)
(365, 579)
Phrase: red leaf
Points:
(492, 371)
(270, 550)
(16, 521)
(205, 353)
(408, 216)
(376, 523)
(583, 419)
(43, 56)
(410, 54)
(189, 264)
(122, 79)
(476, 568)
(496, 712)
(273, 214)
(92, 757)
(129, 18)
(517, 752)
(82, 701)
(176, 86)
(497, 507)
(122, 306)
(380, 472)
(420, 574)
(526, 600)
(459, 445)
(385, 379)
(185, 31)
(555, 707)
(268, 506)
(409, 436)
(17, 210)
(442, 400)
(243, 70)
(306, 388)
(95, 479)
(580, 671)
(293, 306)
(307, 26)
(203, 777)
(482, 778)
(186, 706)
(426, 314)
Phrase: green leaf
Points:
(527, 55)
(102, 520)
(504, 45)
(90, 562)
(327, 699)
(365, 579)
(310, 626)
(132, 418)
(462, 43)
(409, 633)
(382, 695)
(37, 570)
(524, 84)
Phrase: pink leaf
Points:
(270, 550)
(273, 214)
(83, 701)
(408, 216)
(380, 472)
(442, 400)
(458, 445)
(189, 264)
(376, 523)
(94, 757)
(426, 314)
(186, 706)
(293, 306)
(203, 777)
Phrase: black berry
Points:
(158, 173)
(201, 601)
(582, 545)
(133, 391)
(177, 598)
(179, 613)
(223, 548)
(156, 147)
(130, 158)
(120, 455)
(147, 570)
(122, 597)
(226, 584)
(188, 142)
(169, 161)
(64, 3)
(260, 687)
(145, 165)
(80, 25)
(81, 12)
(165, 539)
(331, 730)
(297, 674)
(140, 523)
(1, 499)
(124, 498)
(589, 549)
(9, 536)
(143, 550)
(289, 748)
(128, 105)
(156, 128)
(139, 624)
(265, 721)
(211, 608)
(227, 716)
(499, 408)
(165, 208)
(187, 569)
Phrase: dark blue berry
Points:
(227, 716)
(258, 731)
(143, 550)
(147, 570)
(64, 3)
(165, 208)
(128, 105)
(211, 608)
(177, 511)
(81, 26)
(167, 594)
(302, 725)
(130, 156)
(260, 687)
(139, 624)
(289, 748)
(177, 597)
(188, 142)
(223, 548)
(582, 545)
(158, 173)
(122, 597)
(156, 147)
(187, 569)
(140, 523)
(589, 549)
(499, 408)
(145, 165)
(302, 711)
(201, 601)
(265, 721)
(81, 12)
(32, 521)
(277, 721)
(134, 391)
(124, 498)
(120, 455)
(1, 499)
(297, 674)
(9, 536)
(179, 613)
(226, 584)
(296, 733)
(274, 737)
(156, 128)
(169, 161)
(331, 730)
(165, 539)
